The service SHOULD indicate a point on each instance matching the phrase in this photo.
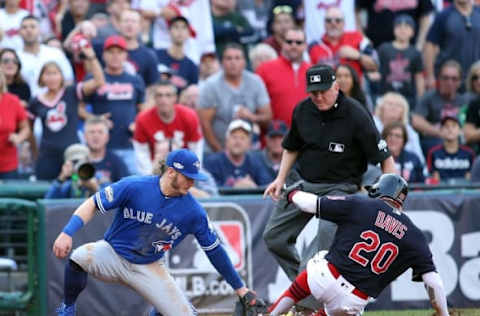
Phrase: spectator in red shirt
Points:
(14, 129)
(340, 47)
(165, 122)
(286, 93)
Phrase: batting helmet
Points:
(390, 185)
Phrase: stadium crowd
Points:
(120, 83)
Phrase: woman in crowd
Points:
(11, 66)
(14, 129)
(58, 110)
(408, 164)
(472, 81)
(393, 107)
(349, 83)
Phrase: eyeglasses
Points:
(451, 78)
(336, 20)
(290, 42)
(279, 9)
(9, 61)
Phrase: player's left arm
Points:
(434, 287)
(82, 215)
(331, 208)
(210, 243)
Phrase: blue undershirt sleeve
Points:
(220, 260)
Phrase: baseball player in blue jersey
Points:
(374, 244)
(154, 214)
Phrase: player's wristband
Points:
(74, 224)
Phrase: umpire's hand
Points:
(62, 245)
(274, 189)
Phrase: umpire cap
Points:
(389, 185)
(320, 78)
(187, 163)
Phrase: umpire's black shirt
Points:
(334, 146)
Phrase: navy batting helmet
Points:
(390, 185)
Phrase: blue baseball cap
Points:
(187, 163)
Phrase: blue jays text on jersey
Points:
(148, 223)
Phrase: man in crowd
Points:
(230, 94)
(107, 167)
(235, 167)
(118, 100)
(438, 103)
(34, 55)
(291, 68)
(340, 47)
(168, 122)
(184, 71)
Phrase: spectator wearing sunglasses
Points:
(340, 47)
(438, 103)
(315, 15)
(282, 21)
(290, 66)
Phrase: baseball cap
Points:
(184, 19)
(449, 117)
(277, 128)
(76, 152)
(320, 78)
(236, 124)
(186, 162)
(115, 41)
(404, 18)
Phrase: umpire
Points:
(332, 138)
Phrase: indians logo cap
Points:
(187, 163)
(320, 78)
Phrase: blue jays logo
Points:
(162, 245)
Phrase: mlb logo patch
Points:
(336, 147)
(231, 234)
(315, 78)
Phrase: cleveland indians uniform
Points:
(374, 244)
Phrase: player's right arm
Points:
(82, 215)
(434, 287)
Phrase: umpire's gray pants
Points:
(286, 223)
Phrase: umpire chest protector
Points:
(334, 146)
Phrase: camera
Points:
(78, 155)
(84, 169)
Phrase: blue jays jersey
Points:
(147, 223)
(374, 243)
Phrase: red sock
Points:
(297, 291)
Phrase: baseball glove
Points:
(250, 305)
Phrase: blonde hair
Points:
(396, 99)
(471, 72)
(3, 83)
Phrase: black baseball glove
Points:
(250, 305)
